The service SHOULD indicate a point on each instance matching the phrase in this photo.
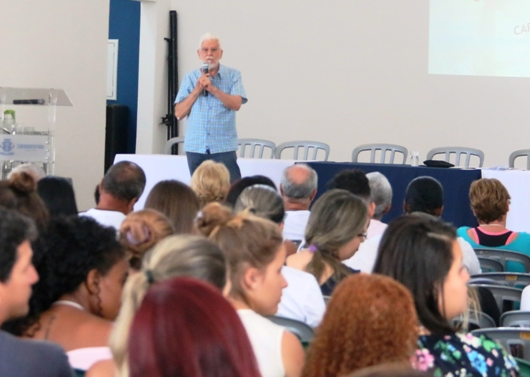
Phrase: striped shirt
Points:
(211, 126)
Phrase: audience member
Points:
(336, 228)
(356, 182)
(490, 203)
(370, 320)
(421, 252)
(424, 194)
(255, 259)
(83, 291)
(381, 194)
(185, 328)
(238, 186)
(58, 195)
(19, 193)
(20, 357)
(119, 190)
(301, 299)
(210, 182)
(182, 255)
(36, 172)
(298, 189)
(140, 231)
(177, 201)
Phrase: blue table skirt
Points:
(456, 183)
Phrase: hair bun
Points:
(137, 236)
(22, 182)
(212, 216)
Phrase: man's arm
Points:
(233, 102)
(183, 108)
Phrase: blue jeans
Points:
(229, 159)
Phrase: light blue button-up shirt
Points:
(211, 125)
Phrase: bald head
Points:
(298, 186)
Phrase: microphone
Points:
(205, 69)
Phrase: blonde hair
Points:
(489, 199)
(246, 241)
(210, 182)
(140, 231)
(182, 255)
(336, 218)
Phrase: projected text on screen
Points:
(480, 37)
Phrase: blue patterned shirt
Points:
(210, 124)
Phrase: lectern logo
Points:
(7, 147)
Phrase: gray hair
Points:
(209, 37)
(381, 192)
(299, 190)
(124, 180)
(263, 201)
(36, 172)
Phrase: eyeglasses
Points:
(363, 235)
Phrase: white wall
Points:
(352, 72)
(62, 44)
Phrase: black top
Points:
(330, 284)
(492, 240)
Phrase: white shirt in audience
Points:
(266, 339)
(294, 225)
(364, 258)
(106, 218)
(375, 228)
(302, 299)
(84, 358)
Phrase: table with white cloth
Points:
(160, 167)
(518, 184)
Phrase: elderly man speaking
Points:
(210, 97)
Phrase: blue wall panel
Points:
(124, 25)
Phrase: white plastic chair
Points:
(306, 147)
(392, 149)
(519, 153)
(171, 142)
(255, 147)
(525, 299)
(458, 152)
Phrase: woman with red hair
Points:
(184, 327)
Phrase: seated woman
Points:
(58, 195)
(186, 328)
(422, 253)
(87, 272)
(210, 182)
(140, 231)
(490, 202)
(302, 299)
(336, 227)
(182, 255)
(252, 247)
(177, 201)
(369, 320)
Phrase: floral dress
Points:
(463, 355)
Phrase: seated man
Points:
(356, 182)
(119, 190)
(381, 194)
(423, 194)
(298, 189)
(19, 357)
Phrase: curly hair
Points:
(489, 199)
(140, 231)
(210, 181)
(73, 247)
(369, 320)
